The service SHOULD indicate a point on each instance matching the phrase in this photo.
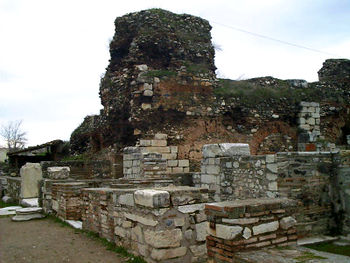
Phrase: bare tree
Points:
(13, 135)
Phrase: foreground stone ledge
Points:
(248, 224)
(152, 198)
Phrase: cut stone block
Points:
(152, 198)
(184, 163)
(159, 143)
(226, 232)
(163, 239)
(58, 172)
(145, 142)
(225, 149)
(31, 174)
(287, 222)
(199, 251)
(160, 136)
(202, 231)
(163, 254)
(172, 163)
(265, 228)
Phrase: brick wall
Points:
(307, 177)
(248, 225)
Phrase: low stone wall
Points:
(47, 195)
(343, 182)
(248, 225)
(307, 177)
(98, 169)
(162, 225)
(12, 187)
(230, 170)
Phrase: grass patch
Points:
(331, 248)
(109, 245)
(160, 73)
(2, 204)
(307, 256)
(253, 93)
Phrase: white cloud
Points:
(52, 53)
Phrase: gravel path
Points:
(42, 241)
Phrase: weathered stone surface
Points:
(226, 232)
(265, 228)
(136, 234)
(58, 172)
(163, 239)
(225, 149)
(27, 217)
(10, 210)
(187, 209)
(247, 233)
(287, 222)
(141, 219)
(272, 167)
(240, 221)
(126, 199)
(7, 199)
(31, 174)
(199, 251)
(30, 202)
(152, 198)
(201, 231)
(163, 254)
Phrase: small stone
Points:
(201, 231)
(226, 232)
(188, 234)
(146, 106)
(247, 233)
(152, 198)
(265, 228)
(199, 251)
(287, 222)
(163, 254)
(163, 239)
(148, 93)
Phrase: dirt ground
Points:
(44, 240)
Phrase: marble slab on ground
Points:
(315, 240)
(10, 210)
(30, 202)
(28, 213)
(27, 217)
(75, 224)
(292, 254)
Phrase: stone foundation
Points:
(67, 200)
(249, 225)
(162, 224)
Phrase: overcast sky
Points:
(53, 52)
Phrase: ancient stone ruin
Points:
(181, 166)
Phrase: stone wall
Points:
(97, 169)
(12, 187)
(49, 197)
(307, 177)
(233, 173)
(163, 224)
(67, 200)
(153, 158)
(249, 224)
(343, 189)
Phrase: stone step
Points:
(28, 213)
